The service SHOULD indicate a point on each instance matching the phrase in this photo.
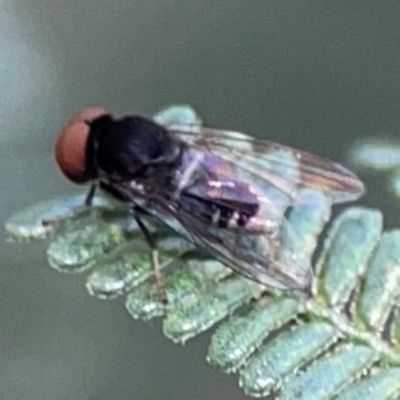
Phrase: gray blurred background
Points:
(305, 73)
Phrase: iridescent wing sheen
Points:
(274, 174)
(285, 168)
(273, 260)
(228, 169)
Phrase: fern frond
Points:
(342, 343)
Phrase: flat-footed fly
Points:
(225, 191)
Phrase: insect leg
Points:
(90, 195)
(55, 221)
(154, 256)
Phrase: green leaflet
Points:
(286, 353)
(233, 343)
(379, 155)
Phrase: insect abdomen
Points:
(217, 214)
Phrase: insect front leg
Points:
(70, 211)
(90, 195)
(162, 292)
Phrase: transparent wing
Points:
(274, 261)
(260, 180)
(285, 168)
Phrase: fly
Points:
(225, 191)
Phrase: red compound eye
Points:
(70, 147)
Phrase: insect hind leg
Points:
(162, 292)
